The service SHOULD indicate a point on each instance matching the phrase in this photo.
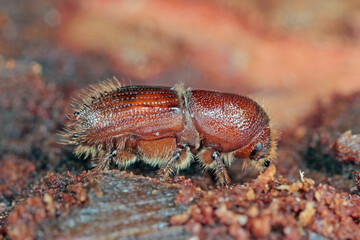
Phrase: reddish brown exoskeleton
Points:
(167, 127)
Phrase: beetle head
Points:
(261, 150)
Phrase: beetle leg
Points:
(102, 165)
(220, 169)
(164, 170)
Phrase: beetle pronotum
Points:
(167, 127)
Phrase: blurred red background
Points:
(286, 54)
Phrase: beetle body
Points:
(167, 127)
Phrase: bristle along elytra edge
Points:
(96, 90)
(85, 97)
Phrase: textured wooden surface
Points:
(130, 207)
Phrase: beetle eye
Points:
(256, 150)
